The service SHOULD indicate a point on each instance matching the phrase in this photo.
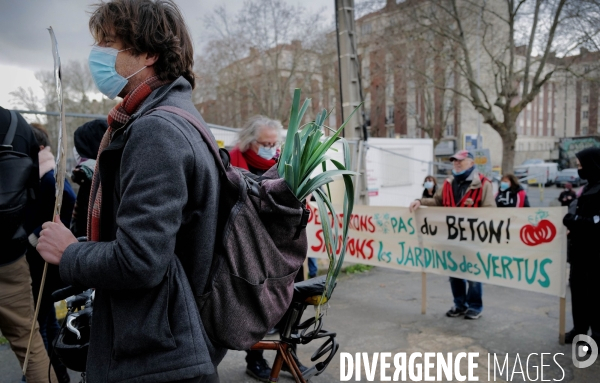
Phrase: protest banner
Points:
(523, 248)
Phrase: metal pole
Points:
(350, 92)
(478, 72)
(348, 66)
(565, 113)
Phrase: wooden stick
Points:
(423, 293)
(34, 319)
(305, 268)
(562, 321)
(59, 175)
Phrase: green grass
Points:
(357, 268)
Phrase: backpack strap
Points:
(210, 142)
(12, 128)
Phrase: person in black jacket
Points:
(16, 298)
(583, 222)
(511, 194)
(44, 210)
(87, 141)
(430, 185)
(567, 196)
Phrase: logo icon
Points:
(540, 231)
(580, 351)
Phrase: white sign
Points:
(523, 248)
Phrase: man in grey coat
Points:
(153, 207)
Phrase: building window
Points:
(390, 115)
(365, 29)
(450, 130)
(585, 114)
(449, 104)
(450, 81)
(366, 74)
(586, 99)
(584, 130)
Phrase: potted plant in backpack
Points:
(305, 149)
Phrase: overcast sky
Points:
(25, 42)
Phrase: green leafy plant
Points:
(305, 149)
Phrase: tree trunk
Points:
(509, 137)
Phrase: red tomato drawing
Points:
(533, 235)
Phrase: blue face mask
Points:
(455, 173)
(102, 67)
(428, 184)
(267, 153)
(504, 186)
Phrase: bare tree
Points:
(505, 36)
(79, 96)
(254, 59)
(26, 99)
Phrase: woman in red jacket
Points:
(257, 149)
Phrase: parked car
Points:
(537, 171)
(569, 175)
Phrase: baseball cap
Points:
(461, 155)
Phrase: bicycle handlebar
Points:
(66, 292)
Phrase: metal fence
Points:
(223, 134)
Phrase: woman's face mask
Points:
(102, 67)
(504, 185)
(266, 152)
(428, 184)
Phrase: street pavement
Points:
(547, 197)
(380, 311)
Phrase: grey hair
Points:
(251, 128)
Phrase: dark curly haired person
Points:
(155, 183)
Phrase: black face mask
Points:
(582, 174)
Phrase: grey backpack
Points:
(260, 247)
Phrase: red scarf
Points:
(117, 118)
(249, 158)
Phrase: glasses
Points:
(268, 144)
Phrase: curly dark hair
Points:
(148, 26)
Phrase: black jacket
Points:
(23, 142)
(510, 198)
(563, 197)
(584, 231)
(158, 225)
(426, 192)
(583, 219)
